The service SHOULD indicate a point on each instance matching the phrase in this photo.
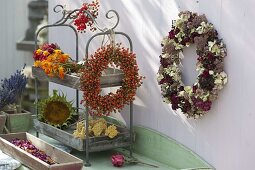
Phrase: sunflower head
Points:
(57, 111)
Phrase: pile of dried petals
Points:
(27, 146)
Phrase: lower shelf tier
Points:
(95, 143)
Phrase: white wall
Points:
(225, 136)
(14, 22)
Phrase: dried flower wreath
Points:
(194, 101)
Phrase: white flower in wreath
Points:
(165, 41)
(196, 116)
(167, 70)
(176, 77)
(214, 48)
(160, 77)
(165, 86)
(222, 50)
(211, 72)
(165, 99)
(218, 80)
(165, 55)
(221, 79)
(188, 90)
(192, 30)
(205, 96)
(204, 28)
(180, 35)
(224, 77)
(181, 93)
(185, 17)
(200, 68)
(178, 23)
(178, 46)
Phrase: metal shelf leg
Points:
(131, 129)
(87, 164)
(36, 101)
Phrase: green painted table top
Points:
(149, 147)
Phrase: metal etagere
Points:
(113, 77)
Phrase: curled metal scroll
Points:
(69, 15)
(107, 15)
(66, 15)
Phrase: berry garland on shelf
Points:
(194, 101)
(92, 71)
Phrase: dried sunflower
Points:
(57, 111)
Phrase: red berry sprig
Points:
(84, 20)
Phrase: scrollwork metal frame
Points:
(62, 22)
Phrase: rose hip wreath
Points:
(194, 101)
(92, 71)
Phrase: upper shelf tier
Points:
(110, 78)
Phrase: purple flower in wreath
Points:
(175, 101)
(166, 79)
(171, 34)
(203, 105)
(164, 62)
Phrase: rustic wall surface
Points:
(224, 137)
(14, 22)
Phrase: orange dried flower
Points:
(61, 72)
(53, 61)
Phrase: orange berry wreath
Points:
(92, 71)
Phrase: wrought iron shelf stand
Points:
(110, 79)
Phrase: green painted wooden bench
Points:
(163, 149)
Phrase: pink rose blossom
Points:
(118, 160)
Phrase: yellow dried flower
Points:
(46, 53)
(111, 131)
(58, 51)
(38, 51)
(37, 63)
(80, 131)
(99, 127)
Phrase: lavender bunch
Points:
(6, 97)
(12, 88)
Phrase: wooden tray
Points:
(110, 78)
(64, 160)
(95, 143)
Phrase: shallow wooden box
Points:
(64, 160)
(95, 143)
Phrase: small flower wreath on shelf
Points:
(194, 101)
(92, 71)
